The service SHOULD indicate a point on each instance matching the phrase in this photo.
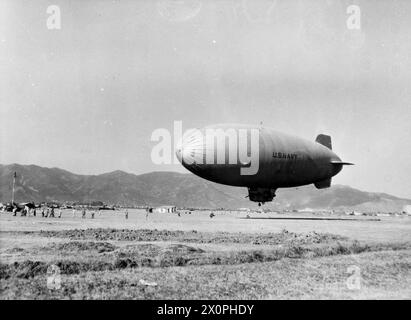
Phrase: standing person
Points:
(52, 212)
(83, 213)
(60, 212)
(42, 212)
(47, 212)
(126, 214)
(34, 212)
(92, 214)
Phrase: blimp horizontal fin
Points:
(342, 163)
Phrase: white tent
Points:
(407, 209)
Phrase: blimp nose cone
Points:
(190, 149)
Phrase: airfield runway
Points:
(229, 256)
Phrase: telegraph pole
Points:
(14, 181)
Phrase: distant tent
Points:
(165, 209)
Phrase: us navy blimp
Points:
(258, 158)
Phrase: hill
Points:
(38, 184)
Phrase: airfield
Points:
(233, 255)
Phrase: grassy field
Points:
(194, 256)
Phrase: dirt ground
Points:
(262, 256)
(355, 227)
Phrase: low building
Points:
(165, 209)
(354, 213)
(383, 214)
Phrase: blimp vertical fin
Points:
(324, 140)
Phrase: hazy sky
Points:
(88, 96)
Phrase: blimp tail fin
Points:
(324, 140)
(323, 184)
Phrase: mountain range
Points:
(35, 183)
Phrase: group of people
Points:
(49, 212)
(45, 212)
(84, 213)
